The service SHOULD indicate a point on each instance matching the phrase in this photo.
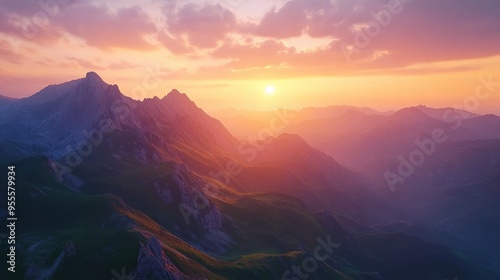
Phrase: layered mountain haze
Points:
(159, 189)
(438, 165)
(357, 137)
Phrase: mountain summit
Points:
(59, 116)
(93, 76)
(163, 189)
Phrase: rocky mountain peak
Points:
(176, 97)
(93, 82)
(93, 76)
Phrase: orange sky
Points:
(379, 53)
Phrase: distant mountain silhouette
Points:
(161, 190)
(454, 191)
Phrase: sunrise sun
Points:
(270, 90)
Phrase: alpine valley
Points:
(108, 187)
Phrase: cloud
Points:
(86, 64)
(178, 45)
(104, 29)
(272, 58)
(8, 54)
(90, 65)
(122, 65)
(424, 31)
(33, 29)
(428, 31)
(97, 26)
(250, 54)
(203, 25)
(29, 8)
(289, 21)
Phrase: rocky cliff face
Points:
(153, 264)
(140, 199)
(197, 208)
(67, 115)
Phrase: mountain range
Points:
(109, 187)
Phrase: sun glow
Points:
(270, 90)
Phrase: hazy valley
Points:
(158, 189)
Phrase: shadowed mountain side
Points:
(270, 234)
(61, 119)
(5, 100)
(289, 165)
(457, 190)
(151, 192)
